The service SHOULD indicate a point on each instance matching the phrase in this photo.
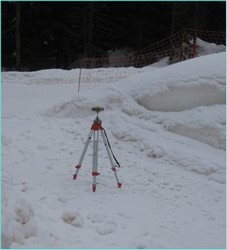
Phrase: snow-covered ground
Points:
(166, 127)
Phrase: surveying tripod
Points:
(94, 132)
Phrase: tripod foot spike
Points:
(119, 185)
(74, 177)
(93, 187)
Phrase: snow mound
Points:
(205, 48)
(180, 92)
(153, 90)
(80, 106)
(19, 223)
(185, 90)
(48, 76)
(199, 125)
(180, 96)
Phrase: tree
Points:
(39, 35)
(173, 17)
(18, 36)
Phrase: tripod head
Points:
(97, 110)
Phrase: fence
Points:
(180, 46)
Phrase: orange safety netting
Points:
(180, 46)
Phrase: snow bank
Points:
(176, 87)
(200, 125)
(179, 97)
(187, 86)
(18, 220)
(205, 48)
(48, 76)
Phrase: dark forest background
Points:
(41, 35)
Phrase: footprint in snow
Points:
(107, 227)
(73, 218)
(104, 226)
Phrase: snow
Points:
(205, 48)
(166, 126)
